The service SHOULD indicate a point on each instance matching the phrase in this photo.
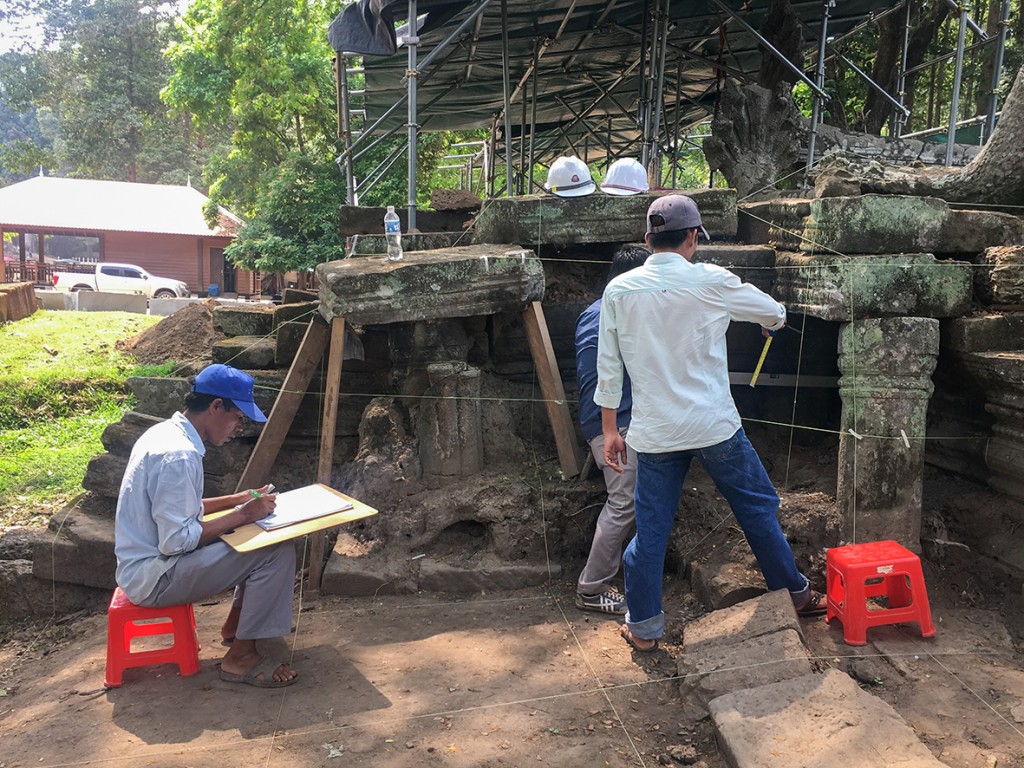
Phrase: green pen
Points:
(258, 495)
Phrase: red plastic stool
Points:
(879, 568)
(123, 626)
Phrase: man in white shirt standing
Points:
(168, 554)
(665, 324)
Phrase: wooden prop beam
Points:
(569, 453)
(311, 352)
(328, 425)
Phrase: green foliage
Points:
(296, 227)
(62, 381)
(264, 68)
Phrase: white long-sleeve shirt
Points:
(665, 322)
(159, 506)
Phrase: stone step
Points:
(815, 721)
(81, 550)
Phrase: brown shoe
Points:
(816, 605)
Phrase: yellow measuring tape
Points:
(760, 361)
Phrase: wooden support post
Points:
(568, 445)
(329, 424)
(311, 352)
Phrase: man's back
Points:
(667, 320)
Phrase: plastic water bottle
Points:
(393, 234)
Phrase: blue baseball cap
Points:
(224, 381)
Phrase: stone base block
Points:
(79, 551)
(380, 574)
(815, 721)
(489, 574)
(716, 670)
(847, 288)
(25, 595)
(551, 220)
(50, 300)
(428, 285)
(367, 576)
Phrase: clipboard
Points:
(251, 536)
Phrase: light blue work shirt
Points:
(159, 506)
(665, 322)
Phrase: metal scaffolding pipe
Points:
(429, 58)
(819, 77)
(954, 102)
(659, 94)
(901, 86)
(411, 42)
(533, 118)
(506, 92)
(774, 51)
(346, 129)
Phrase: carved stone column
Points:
(448, 425)
(886, 367)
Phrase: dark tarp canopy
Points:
(590, 60)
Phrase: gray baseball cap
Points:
(674, 212)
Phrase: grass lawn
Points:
(62, 381)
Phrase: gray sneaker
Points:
(610, 601)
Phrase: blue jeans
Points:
(741, 479)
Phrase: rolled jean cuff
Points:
(648, 629)
(800, 596)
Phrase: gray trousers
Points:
(263, 580)
(614, 524)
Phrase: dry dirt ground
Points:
(509, 679)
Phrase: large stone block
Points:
(80, 551)
(886, 383)
(716, 670)
(456, 282)
(815, 721)
(749, 620)
(999, 277)
(847, 288)
(368, 220)
(552, 220)
(753, 264)
(372, 245)
(898, 223)
(25, 595)
(248, 352)
(984, 333)
(17, 301)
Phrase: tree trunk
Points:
(994, 177)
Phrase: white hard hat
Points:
(569, 177)
(625, 177)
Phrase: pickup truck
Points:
(120, 278)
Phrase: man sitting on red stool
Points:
(167, 554)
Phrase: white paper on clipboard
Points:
(302, 504)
